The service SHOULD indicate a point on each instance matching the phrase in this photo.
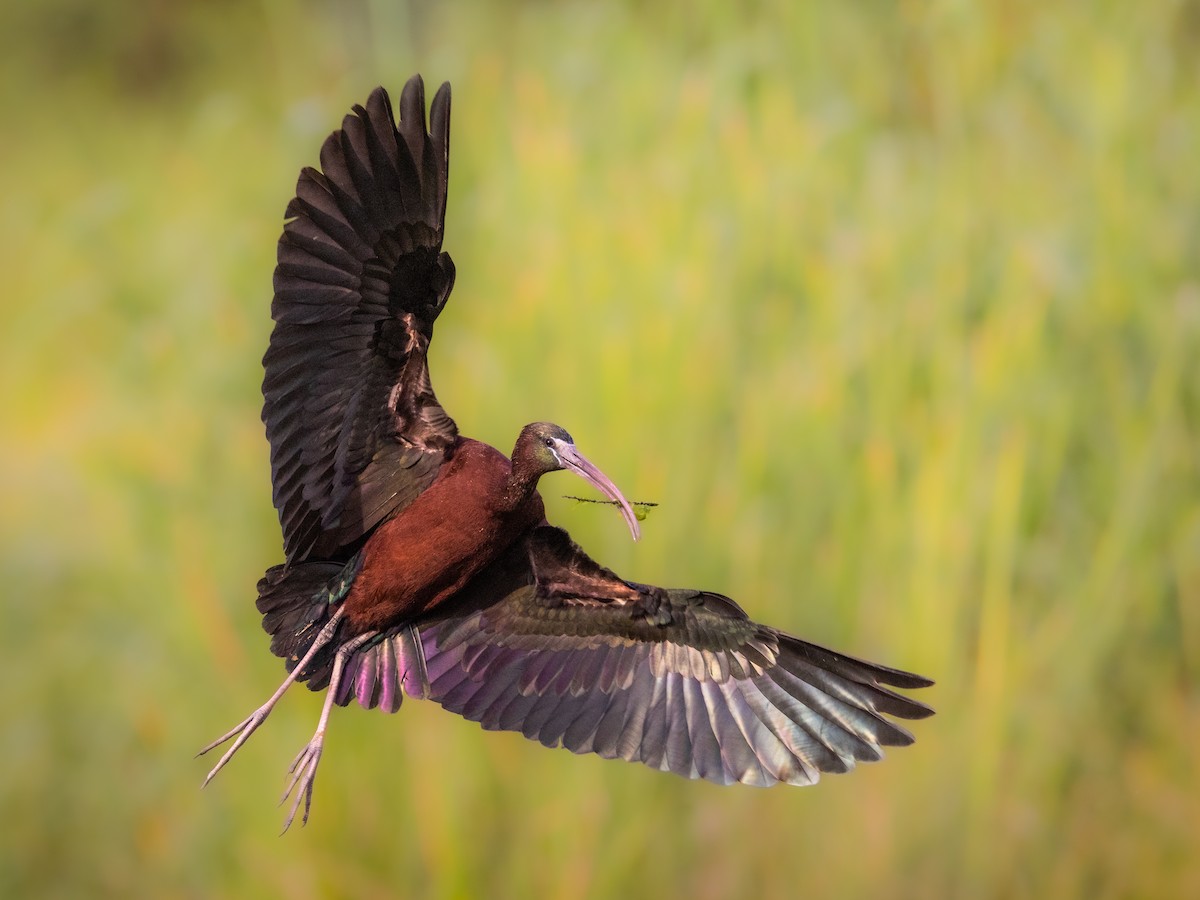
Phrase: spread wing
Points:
(552, 645)
(355, 429)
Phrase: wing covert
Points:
(355, 429)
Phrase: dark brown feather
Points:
(355, 429)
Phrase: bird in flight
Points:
(420, 562)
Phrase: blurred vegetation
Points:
(894, 309)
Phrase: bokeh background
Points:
(893, 307)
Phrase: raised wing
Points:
(355, 429)
(552, 645)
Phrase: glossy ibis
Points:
(420, 562)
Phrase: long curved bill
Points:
(579, 464)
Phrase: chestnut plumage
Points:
(420, 562)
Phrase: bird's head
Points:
(545, 447)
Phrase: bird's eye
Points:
(549, 442)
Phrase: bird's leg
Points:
(247, 727)
(304, 766)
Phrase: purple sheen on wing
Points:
(346, 684)
(364, 684)
(411, 656)
(389, 678)
(439, 663)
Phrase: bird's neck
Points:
(521, 485)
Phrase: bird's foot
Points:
(304, 775)
(242, 732)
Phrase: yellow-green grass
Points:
(893, 309)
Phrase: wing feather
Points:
(684, 682)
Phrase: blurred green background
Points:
(893, 307)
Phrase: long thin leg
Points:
(256, 718)
(304, 767)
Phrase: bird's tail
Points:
(297, 601)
